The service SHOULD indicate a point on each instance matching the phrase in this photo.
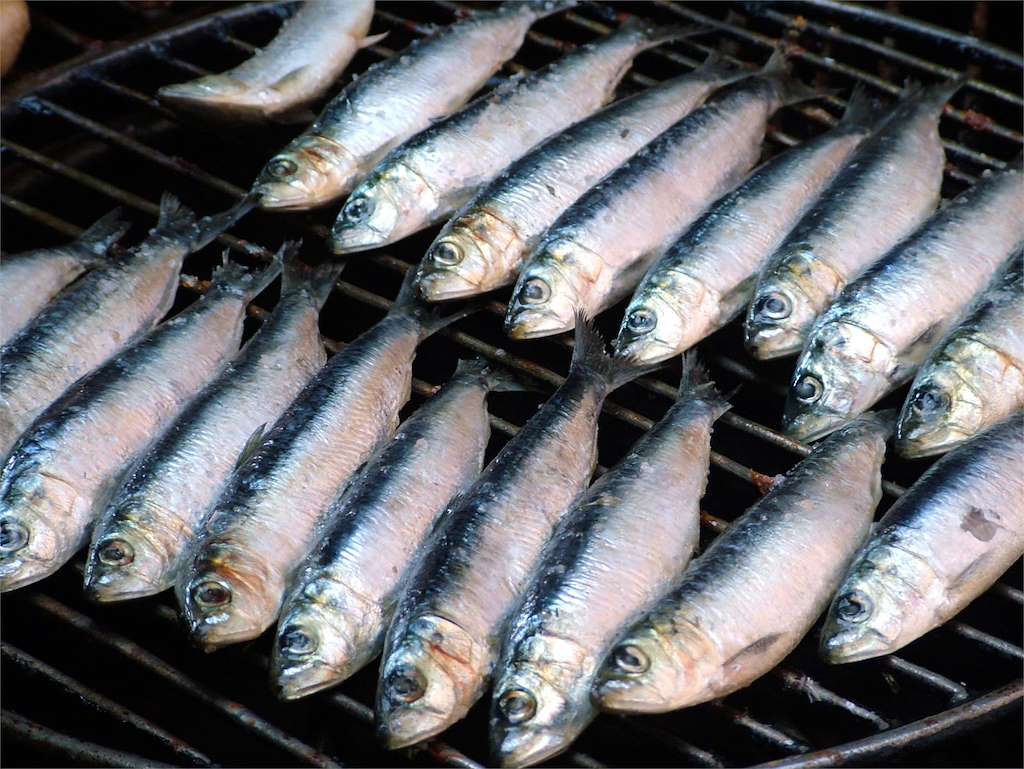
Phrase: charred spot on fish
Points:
(854, 606)
(357, 209)
(551, 190)
(517, 706)
(14, 535)
(211, 594)
(929, 400)
(535, 291)
(281, 167)
(116, 552)
(631, 659)
(760, 646)
(773, 306)
(641, 321)
(624, 133)
(447, 253)
(406, 684)
(296, 642)
(979, 524)
(807, 388)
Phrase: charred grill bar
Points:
(91, 136)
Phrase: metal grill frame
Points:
(882, 733)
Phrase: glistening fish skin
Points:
(139, 539)
(61, 471)
(446, 634)
(707, 276)
(104, 312)
(943, 543)
(311, 50)
(28, 281)
(442, 167)
(975, 377)
(235, 572)
(615, 553)
(876, 334)
(868, 208)
(340, 604)
(393, 100)
(483, 246)
(746, 602)
(601, 245)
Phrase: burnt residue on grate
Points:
(119, 685)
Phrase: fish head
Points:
(646, 673)
(431, 674)
(541, 701)
(548, 292)
(31, 545)
(319, 641)
(224, 601)
(386, 206)
(842, 372)
(311, 171)
(469, 257)
(886, 601)
(943, 409)
(124, 563)
(669, 313)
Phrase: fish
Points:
(598, 249)
(30, 280)
(882, 326)
(945, 541)
(141, 535)
(340, 604)
(706, 278)
(393, 100)
(975, 377)
(308, 54)
(445, 636)
(234, 574)
(61, 472)
(623, 544)
(440, 169)
(898, 171)
(482, 247)
(749, 599)
(108, 309)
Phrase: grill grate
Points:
(93, 136)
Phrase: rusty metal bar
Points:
(956, 692)
(37, 667)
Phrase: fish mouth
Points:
(19, 572)
(854, 645)
(526, 747)
(347, 240)
(620, 696)
(403, 727)
(645, 350)
(301, 681)
(810, 427)
(118, 589)
(281, 196)
(532, 324)
(768, 341)
(443, 286)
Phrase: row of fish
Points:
(364, 538)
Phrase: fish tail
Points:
(862, 111)
(211, 227)
(176, 220)
(105, 232)
(651, 35)
(316, 280)
(717, 67)
(409, 302)
(536, 9)
(232, 277)
(695, 384)
(590, 357)
(494, 377)
(791, 90)
(935, 95)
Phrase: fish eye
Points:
(447, 253)
(210, 594)
(774, 306)
(13, 535)
(295, 642)
(929, 400)
(406, 684)
(641, 321)
(854, 606)
(631, 659)
(808, 388)
(535, 291)
(282, 167)
(116, 552)
(517, 705)
(357, 209)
